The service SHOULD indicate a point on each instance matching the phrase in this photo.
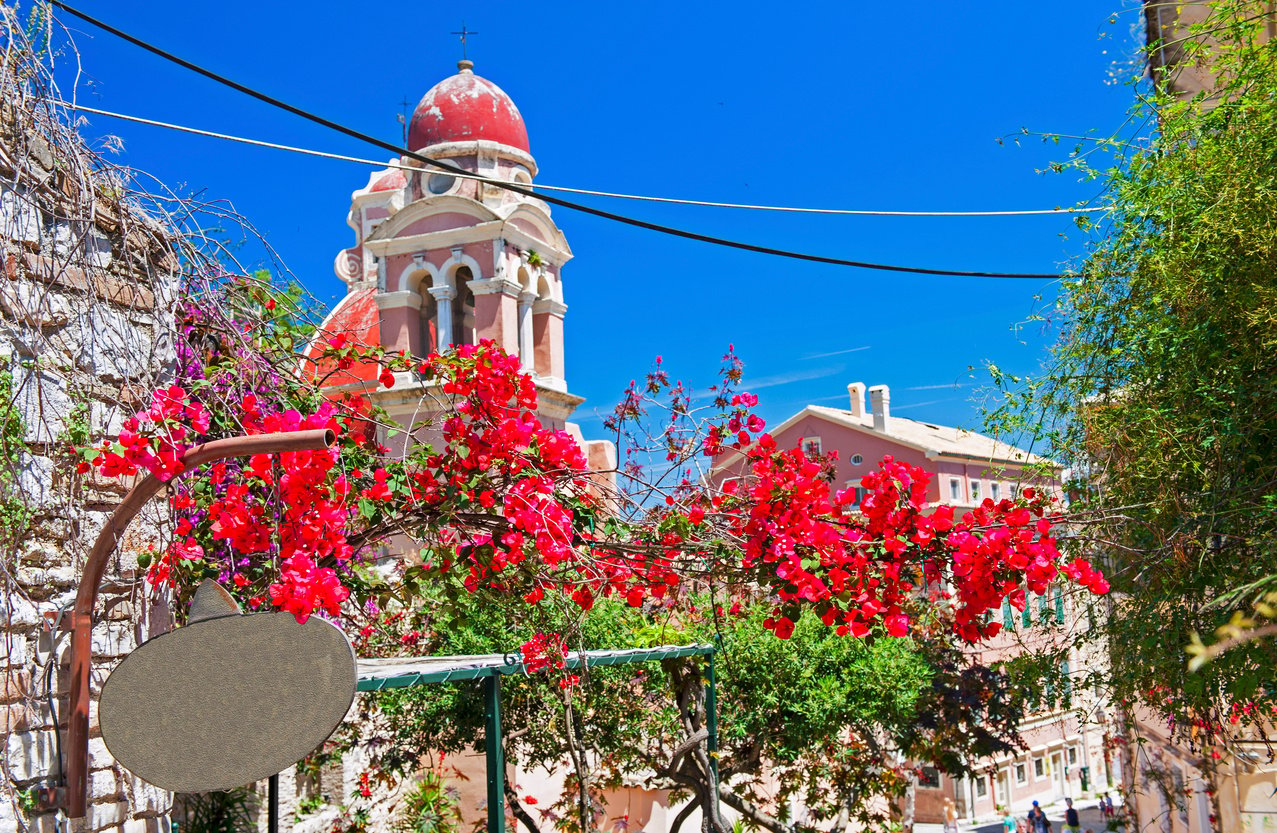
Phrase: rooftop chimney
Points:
(880, 401)
(856, 390)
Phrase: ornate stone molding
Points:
(403, 298)
(492, 286)
(551, 306)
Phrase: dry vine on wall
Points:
(95, 259)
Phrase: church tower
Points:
(440, 259)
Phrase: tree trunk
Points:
(684, 814)
(524, 818)
(752, 812)
(581, 765)
(911, 793)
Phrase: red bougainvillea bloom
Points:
(510, 504)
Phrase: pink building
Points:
(442, 259)
(1065, 750)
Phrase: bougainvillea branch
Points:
(487, 490)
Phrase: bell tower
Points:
(442, 259)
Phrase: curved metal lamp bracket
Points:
(77, 752)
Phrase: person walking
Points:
(1072, 824)
(950, 816)
(1038, 822)
(1009, 822)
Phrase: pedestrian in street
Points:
(1038, 822)
(950, 817)
(1072, 824)
(1108, 805)
(1009, 822)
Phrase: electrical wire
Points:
(586, 191)
(526, 192)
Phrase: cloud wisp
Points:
(835, 353)
(778, 379)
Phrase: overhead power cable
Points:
(517, 189)
(540, 186)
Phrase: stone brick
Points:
(35, 480)
(47, 578)
(99, 756)
(112, 640)
(106, 784)
(16, 651)
(19, 218)
(91, 524)
(15, 717)
(15, 684)
(105, 815)
(73, 241)
(43, 401)
(154, 824)
(107, 417)
(34, 304)
(124, 611)
(16, 613)
(147, 799)
(106, 287)
(47, 823)
(41, 554)
(30, 755)
(39, 715)
(109, 345)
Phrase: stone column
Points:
(526, 342)
(443, 296)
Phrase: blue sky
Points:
(847, 105)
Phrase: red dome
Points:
(466, 108)
(356, 320)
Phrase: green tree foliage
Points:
(13, 512)
(1162, 388)
(826, 720)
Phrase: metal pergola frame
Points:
(382, 675)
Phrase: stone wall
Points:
(86, 332)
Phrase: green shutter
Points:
(1025, 617)
(1008, 614)
(1059, 605)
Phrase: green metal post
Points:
(711, 722)
(496, 756)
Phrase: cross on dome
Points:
(463, 33)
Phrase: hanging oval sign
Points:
(229, 699)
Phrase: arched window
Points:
(463, 308)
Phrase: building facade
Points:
(1065, 750)
(442, 259)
